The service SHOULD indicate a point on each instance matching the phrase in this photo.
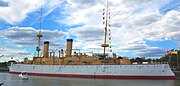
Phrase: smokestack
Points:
(69, 47)
(46, 49)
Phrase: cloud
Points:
(142, 49)
(15, 53)
(87, 33)
(82, 12)
(136, 3)
(152, 26)
(26, 36)
(83, 4)
(18, 10)
(136, 22)
(166, 28)
(87, 37)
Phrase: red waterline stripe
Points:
(99, 76)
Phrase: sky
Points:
(139, 28)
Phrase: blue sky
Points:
(139, 28)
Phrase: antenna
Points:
(39, 35)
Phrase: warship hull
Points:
(141, 71)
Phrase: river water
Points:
(13, 80)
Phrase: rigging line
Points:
(116, 14)
(40, 21)
(103, 3)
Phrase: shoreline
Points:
(4, 69)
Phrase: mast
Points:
(39, 35)
(105, 33)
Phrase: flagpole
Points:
(177, 59)
(170, 60)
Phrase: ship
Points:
(81, 65)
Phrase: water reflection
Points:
(14, 80)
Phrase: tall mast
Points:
(39, 35)
(105, 33)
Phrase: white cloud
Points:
(87, 37)
(136, 22)
(167, 27)
(18, 10)
(82, 12)
(15, 53)
(21, 37)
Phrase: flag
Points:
(175, 52)
(103, 18)
(103, 13)
(169, 52)
(103, 9)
